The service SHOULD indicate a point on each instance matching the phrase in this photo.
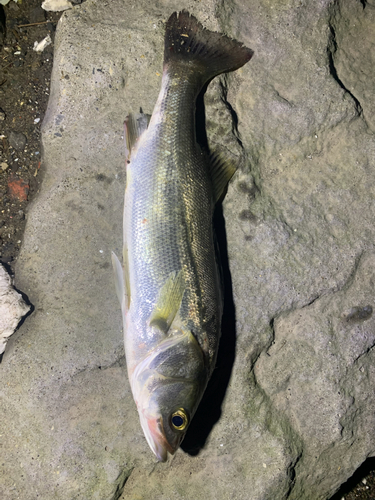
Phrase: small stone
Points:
(56, 5)
(4, 166)
(2, 115)
(39, 47)
(37, 15)
(35, 65)
(14, 6)
(17, 140)
(18, 189)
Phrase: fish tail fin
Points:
(188, 42)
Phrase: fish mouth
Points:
(155, 436)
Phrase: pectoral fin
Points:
(121, 283)
(221, 170)
(168, 303)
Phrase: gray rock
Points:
(298, 414)
(17, 140)
(321, 362)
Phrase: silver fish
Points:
(169, 284)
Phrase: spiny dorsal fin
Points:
(168, 303)
(221, 171)
(135, 125)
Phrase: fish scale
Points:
(165, 194)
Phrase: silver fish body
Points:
(169, 285)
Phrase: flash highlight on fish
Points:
(169, 283)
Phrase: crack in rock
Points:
(121, 482)
(224, 97)
(291, 472)
(332, 49)
(335, 21)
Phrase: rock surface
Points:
(290, 410)
(12, 308)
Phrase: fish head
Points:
(167, 387)
(166, 415)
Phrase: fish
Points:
(169, 283)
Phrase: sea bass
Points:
(169, 284)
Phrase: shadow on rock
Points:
(209, 410)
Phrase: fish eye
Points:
(179, 419)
